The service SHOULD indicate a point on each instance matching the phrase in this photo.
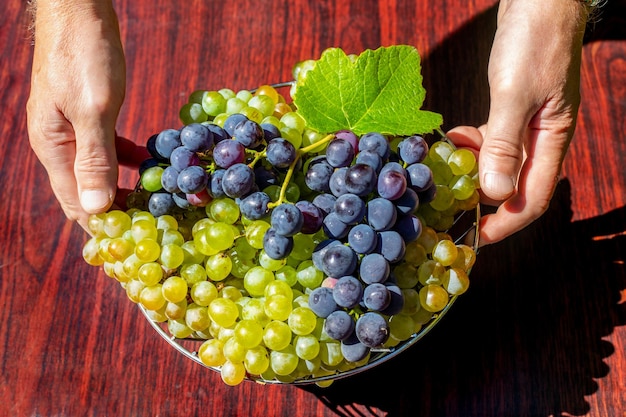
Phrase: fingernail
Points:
(497, 184)
(94, 200)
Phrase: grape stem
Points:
(292, 167)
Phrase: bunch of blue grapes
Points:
(369, 195)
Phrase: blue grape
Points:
(409, 227)
(182, 158)
(280, 153)
(325, 202)
(238, 180)
(151, 147)
(420, 177)
(160, 203)
(147, 163)
(255, 205)
(318, 175)
(391, 246)
(394, 166)
(321, 301)
(339, 261)
(339, 153)
(232, 121)
(320, 250)
(228, 153)
(360, 179)
(396, 303)
(408, 202)
(192, 180)
(349, 136)
(372, 329)
(376, 142)
(350, 208)
(339, 325)
(166, 141)
(374, 268)
(376, 297)
(287, 219)
(270, 131)
(215, 184)
(428, 195)
(196, 137)
(169, 180)
(219, 134)
(337, 182)
(348, 292)
(334, 227)
(180, 199)
(381, 214)
(353, 350)
(391, 184)
(370, 158)
(413, 149)
(249, 134)
(277, 246)
(312, 216)
(362, 239)
(264, 176)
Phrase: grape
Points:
(265, 177)
(232, 121)
(360, 179)
(182, 158)
(196, 137)
(396, 303)
(248, 133)
(151, 178)
(169, 180)
(362, 239)
(339, 325)
(280, 153)
(350, 137)
(318, 175)
(277, 246)
(420, 177)
(312, 216)
(337, 182)
(215, 185)
(192, 179)
(160, 203)
(321, 301)
(391, 184)
(255, 205)
(325, 202)
(353, 350)
(370, 158)
(372, 329)
(228, 152)
(334, 227)
(381, 214)
(391, 246)
(219, 134)
(166, 141)
(270, 131)
(287, 219)
(376, 296)
(349, 208)
(409, 227)
(238, 180)
(339, 153)
(408, 202)
(339, 261)
(318, 253)
(374, 268)
(347, 292)
(413, 149)
(375, 142)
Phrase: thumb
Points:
(96, 167)
(501, 154)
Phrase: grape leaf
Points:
(379, 91)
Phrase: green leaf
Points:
(379, 91)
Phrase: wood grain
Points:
(542, 331)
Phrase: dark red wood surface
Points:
(541, 332)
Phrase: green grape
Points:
(406, 275)
(142, 215)
(223, 311)
(252, 113)
(255, 232)
(235, 105)
(203, 292)
(176, 311)
(257, 360)
(307, 346)
(303, 247)
(249, 333)
(210, 353)
(103, 250)
(90, 252)
(422, 316)
(254, 309)
(465, 259)
(443, 198)
(170, 236)
(234, 350)
(293, 192)
(179, 329)
(95, 225)
(150, 273)
(277, 287)
(131, 266)
(256, 279)
(330, 353)
(197, 317)
(244, 95)
(411, 301)
(243, 249)
(241, 266)
(308, 275)
(445, 252)
(166, 222)
(151, 297)
(172, 256)
(192, 254)
(469, 203)
(218, 266)
(455, 281)
(462, 161)
(213, 103)
(151, 179)
(147, 250)
(192, 113)
(224, 210)
(273, 192)
(264, 104)
(220, 119)
(462, 187)
(294, 121)
(287, 274)
(133, 290)
(221, 235)
(273, 120)
(440, 151)
(115, 223)
(120, 248)
(433, 298)
(277, 335)
(430, 272)
(302, 320)
(193, 273)
(230, 292)
(442, 174)
(233, 373)
(269, 263)
(401, 327)
(204, 243)
(415, 253)
(197, 96)
(284, 361)
(227, 93)
(311, 137)
(292, 136)
(278, 307)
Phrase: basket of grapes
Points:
(301, 236)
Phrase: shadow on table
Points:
(527, 338)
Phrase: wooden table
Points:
(541, 332)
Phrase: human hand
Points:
(77, 90)
(534, 78)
